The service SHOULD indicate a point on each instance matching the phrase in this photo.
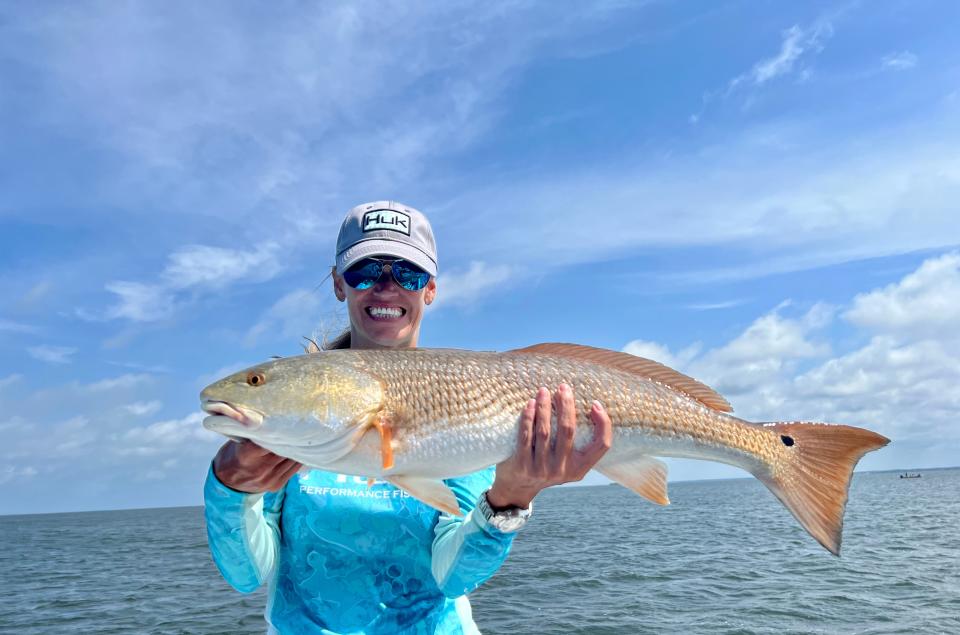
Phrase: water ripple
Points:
(725, 557)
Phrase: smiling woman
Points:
(351, 554)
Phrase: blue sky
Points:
(762, 195)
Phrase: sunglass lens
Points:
(409, 276)
(363, 274)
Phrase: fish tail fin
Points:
(813, 482)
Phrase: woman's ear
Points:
(338, 286)
(430, 291)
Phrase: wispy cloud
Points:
(113, 383)
(715, 306)
(796, 42)
(292, 316)
(167, 438)
(52, 354)
(142, 408)
(216, 267)
(10, 379)
(900, 61)
(192, 269)
(145, 368)
(17, 327)
(773, 198)
(10, 473)
(463, 288)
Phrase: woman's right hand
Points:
(246, 467)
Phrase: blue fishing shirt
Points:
(341, 557)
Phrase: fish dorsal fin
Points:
(638, 366)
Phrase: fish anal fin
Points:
(637, 365)
(643, 474)
(433, 492)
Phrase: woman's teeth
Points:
(384, 313)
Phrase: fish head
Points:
(308, 400)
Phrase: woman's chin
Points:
(388, 333)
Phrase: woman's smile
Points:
(385, 312)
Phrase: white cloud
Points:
(139, 302)
(463, 288)
(217, 267)
(124, 381)
(196, 269)
(224, 371)
(293, 316)
(772, 346)
(17, 327)
(168, 438)
(795, 43)
(9, 380)
(714, 306)
(660, 353)
(90, 433)
(901, 382)
(52, 354)
(900, 61)
(72, 437)
(142, 408)
(769, 194)
(260, 131)
(925, 303)
(10, 473)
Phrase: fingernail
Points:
(597, 405)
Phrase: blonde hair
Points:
(340, 341)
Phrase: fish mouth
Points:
(247, 417)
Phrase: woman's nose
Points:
(385, 281)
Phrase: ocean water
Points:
(725, 557)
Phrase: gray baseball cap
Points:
(386, 228)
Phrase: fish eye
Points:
(256, 378)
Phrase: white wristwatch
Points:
(505, 520)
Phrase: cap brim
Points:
(380, 247)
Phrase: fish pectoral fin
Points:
(645, 475)
(433, 492)
(380, 421)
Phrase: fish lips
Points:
(224, 418)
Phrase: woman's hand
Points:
(246, 467)
(536, 465)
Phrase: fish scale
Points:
(465, 387)
(416, 416)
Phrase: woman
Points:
(344, 556)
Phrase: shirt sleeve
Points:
(243, 531)
(467, 550)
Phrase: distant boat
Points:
(909, 475)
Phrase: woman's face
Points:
(386, 315)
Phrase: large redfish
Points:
(414, 417)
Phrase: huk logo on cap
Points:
(386, 219)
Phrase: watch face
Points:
(513, 523)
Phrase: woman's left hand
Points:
(537, 464)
